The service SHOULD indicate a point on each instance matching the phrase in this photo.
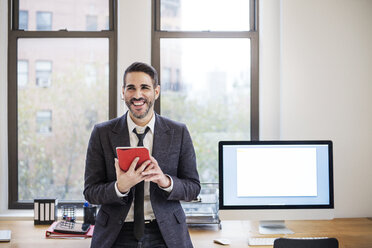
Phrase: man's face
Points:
(140, 95)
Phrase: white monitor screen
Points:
(275, 174)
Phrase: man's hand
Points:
(126, 180)
(153, 173)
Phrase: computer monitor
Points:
(273, 181)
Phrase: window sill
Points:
(17, 215)
(28, 214)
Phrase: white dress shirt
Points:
(147, 142)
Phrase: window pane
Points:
(44, 121)
(23, 20)
(67, 14)
(22, 73)
(91, 23)
(43, 73)
(66, 111)
(211, 94)
(43, 21)
(90, 74)
(203, 15)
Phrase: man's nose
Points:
(138, 94)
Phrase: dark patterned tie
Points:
(139, 220)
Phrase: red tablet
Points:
(126, 155)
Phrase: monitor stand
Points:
(273, 227)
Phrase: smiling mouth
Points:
(139, 102)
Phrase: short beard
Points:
(129, 104)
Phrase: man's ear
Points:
(157, 92)
(122, 93)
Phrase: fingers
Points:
(143, 166)
(152, 177)
(152, 168)
(117, 167)
(153, 160)
(133, 165)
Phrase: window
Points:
(107, 22)
(73, 87)
(44, 121)
(208, 72)
(43, 21)
(90, 74)
(91, 23)
(166, 78)
(68, 15)
(43, 73)
(91, 117)
(22, 68)
(23, 19)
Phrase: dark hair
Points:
(143, 67)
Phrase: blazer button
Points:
(120, 222)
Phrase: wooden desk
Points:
(351, 233)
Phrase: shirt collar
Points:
(132, 125)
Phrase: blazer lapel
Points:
(119, 134)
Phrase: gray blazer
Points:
(174, 151)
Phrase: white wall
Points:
(315, 82)
(326, 89)
(134, 38)
(269, 77)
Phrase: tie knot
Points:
(141, 136)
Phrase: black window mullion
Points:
(255, 88)
(112, 76)
(12, 121)
(14, 14)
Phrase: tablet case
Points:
(126, 155)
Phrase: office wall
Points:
(134, 38)
(269, 55)
(326, 88)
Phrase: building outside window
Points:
(43, 21)
(91, 23)
(44, 121)
(22, 73)
(107, 22)
(23, 19)
(43, 73)
(90, 74)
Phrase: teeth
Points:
(138, 103)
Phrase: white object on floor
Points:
(5, 235)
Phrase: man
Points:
(169, 176)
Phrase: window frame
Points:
(253, 34)
(13, 35)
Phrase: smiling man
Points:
(140, 207)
